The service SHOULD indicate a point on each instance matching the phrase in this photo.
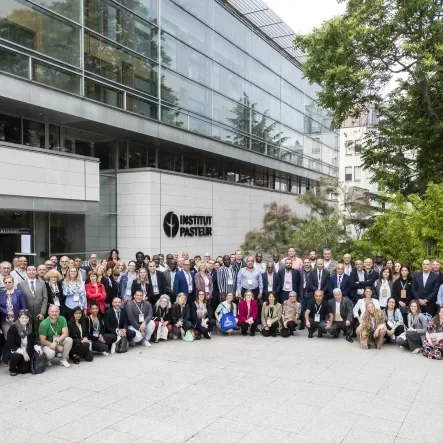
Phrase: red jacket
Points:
(97, 293)
(243, 311)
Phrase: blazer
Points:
(304, 283)
(194, 319)
(243, 311)
(124, 283)
(223, 278)
(356, 284)
(346, 308)
(428, 292)
(112, 289)
(181, 285)
(420, 323)
(37, 303)
(161, 282)
(169, 287)
(332, 268)
(101, 329)
(178, 313)
(276, 284)
(313, 282)
(276, 316)
(138, 287)
(98, 294)
(14, 341)
(52, 295)
(74, 331)
(295, 280)
(344, 285)
(110, 321)
(398, 286)
(378, 288)
(18, 303)
(200, 283)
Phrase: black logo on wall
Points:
(187, 225)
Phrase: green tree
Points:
(374, 47)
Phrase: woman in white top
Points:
(223, 308)
(360, 307)
(383, 287)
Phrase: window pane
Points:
(231, 57)
(83, 141)
(230, 113)
(122, 155)
(292, 96)
(68, 8)
(186, 61)
(118, 65)
(34, 134)
(102, 93)
(202, 9)
(54, 137)
(264, 127)
(55, 77)
(169, 160)
(141, 107)
(35, 30)
(10, 129)
(230, 84)
(138, 155)
(292, 118)
(148, 9)
(67, 232)
(13, 63)
(292, 140)
(193, 163)
(266, 79)
(265, 53)
(231, 28)
(105, 151)
(258, 146)
(118, 24)
(200, 126)
(174, 117)
(265, 103)
(186, 28)
(291, 73)
(185, 93)
(231, 137)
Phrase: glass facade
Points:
(172, 61)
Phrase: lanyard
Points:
(56, 324)
(95, 323)
(404, 287)
(138, 307)
(319, 309)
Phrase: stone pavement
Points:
(229, 389)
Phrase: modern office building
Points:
(153, 125)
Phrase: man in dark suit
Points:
(303, 293)
(341, 308)
(359, 280)
(425, 285)
(116, 318)
(290, 280)
(271, 281)
(170, 274)
(158, 283)
(340, 280)
(371, 273)
(184, 282)
(319, 280)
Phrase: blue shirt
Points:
(250, 279)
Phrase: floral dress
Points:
(433, 350)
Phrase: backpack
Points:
(38, 363)
(122, 345)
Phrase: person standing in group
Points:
(383, 287)
(319, 280)
(74, 291)
(20, 273)
(296, 262)
(313, 259)
(36, 296)
(5, 271)
(226, 278)
(402, 291)
(212, 274)
(54, 288)
(126, 282)
(248, 314)
(170, 275)
(12, 301)
(378, 265)
(142, 284)
(304, 294)
(250, 278)
(92, 264)
(340, 280)
(271, 281)
(95, 291)
(347, 264)
(110, 284)
(290, 280)
(276, 262)
(158, 283)
(64, 266)
(238, 262)
(396, 271)
(203, 282)
(425, 285)
(358, 281)
(184, 282)
(140, 261)
(371, 274)
(259, 263)
(329, 264)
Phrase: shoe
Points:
(210, 333)
(320, 335)
(174, 337)
(274, 334)
(301, 328)
(252, 334)
(243, 333)
(146, 343)
(207, 336)
(354, 335)
(132, 343)
(64, 362)
(59, 355)
(310, 335)
(349, 339)
(336, 335)
(75, 360)
(12, 374)
(105, 353)
(48, 363)
(417, 351)
(113, 346)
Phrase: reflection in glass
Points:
(34, 134)
(265, 79)
(116, 64)
(120, 25)
(231, 85)
(231, 137)
(200, 126)
(147, 9)
(230, 113)
(105, 94)
(54, 138)
(10, 129)
(169, 160)
(57, 78)
(67, 233)
(265, 103)
(231, 57)
(105, 151)
(35, 30)
(202, 9)
(13, 63)
(193, 163)
(292, 96)
(137, 156)
(292, 118)
(67, 8)
(174, 117)
(265, 53)
(141, 107)
(291, 73)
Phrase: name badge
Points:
(190, 288)
(317, 318)
(287, 286)
(230, 281)
(76, 297)
(249, 281)
(141, 318)
(384, 292)
(403, 293)
(56, 301)
(95, 334)
(270, 288)
(55, 338)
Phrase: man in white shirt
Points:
(341, 308)
(19, 274)
(347, 264)
(159, 266)
(313, 258)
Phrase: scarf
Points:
(23, 331)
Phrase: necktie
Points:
(319, 279)
(339, 281)
(32, 287)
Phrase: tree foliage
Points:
(378, 46)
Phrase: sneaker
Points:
(210, 333)
(48, 363)
(132, 343)
(113, 346)
(417, 351)
(64, 362)
(59, 355)
(146, 343)
(105, 353)
(174, 337)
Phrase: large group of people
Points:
(69, 310)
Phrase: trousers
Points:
(412, 342)
(18, 364)
(138, 336)
(245, 326)
(321, 326)
(67, 346)
(271, 331)
(338, 326)
(289, 330)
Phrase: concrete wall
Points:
(26, 172)
(145, 197)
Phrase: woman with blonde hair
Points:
(203, 281)
(121, 268)
(372, 329)
(54, 289)
(74, 291)
(101, 269)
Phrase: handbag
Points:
(122, 345)
(189, 336)
(196, 334)
(227, 322)
(162, 332)
(38, 363)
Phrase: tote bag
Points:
(227, 322)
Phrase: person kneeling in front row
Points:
(79, 332)
(290, 315)
(318, 315)
(201, 314)
(341, 308)
(54, 336)
(100, 341)
(140, 321)
(248, 314)
(181, 317)
(270, 316)
(116, 323)
(162, 318)
(20, 344)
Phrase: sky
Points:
(303, 15)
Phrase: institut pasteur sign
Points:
(187, 225)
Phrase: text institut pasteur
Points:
(187, 225)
